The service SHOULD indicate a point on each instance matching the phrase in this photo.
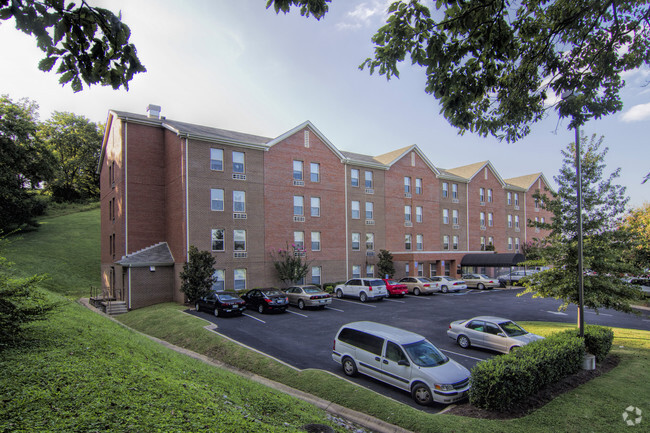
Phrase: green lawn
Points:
(82, 372)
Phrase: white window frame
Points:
(219, 280)
(419, 242)
(354, 177)
(298, 170)
(314, 172)
(236, 162)
(368, 179)
(407, 213)
(218, 153)
(236, 200)
(454, 217)
(237, 279)
(370, 210)
(408, 242)
(370, 241)
(418, 185)
(214, 239)
(356, 271)
(356, 210)
(315, 210)
(299, 240)
(298, 205)
(445, 190)
(445, 216)
(316, 272)
(407, 184)
(315, 241)
(356, 241)
(219, 193)
(418, 214)
(237, 235)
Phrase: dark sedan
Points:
(266, 300)
(221, 304)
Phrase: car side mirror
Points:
(403, 362)
(501, 334)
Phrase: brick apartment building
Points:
(167, 185)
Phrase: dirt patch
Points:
(538, 400)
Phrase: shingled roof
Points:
(155, 255)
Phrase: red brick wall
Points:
(486, 179)
(151, 287)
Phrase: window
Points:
(406, 269)
(418, 214)
(314, 172)
(216, 199)
(218, 240)
(509, 198)
(408, 240)
(491, 241)
(516, 199)
(299, 240)
(418, 186)
(445, 242)
(516, 221)
(356, 213)
(369, 210)
(216, 159)
(239, 201)
(370, 271)
(368, 179)
(356, 271)
(315, 241)
(315, 274)
(219, 280)
(509, 221)
(370, 241)
(356, 241)
(482, 243)
(419, 242)
(240, 279)
(542, 220)
(445, 216)
(455, 242)
(482, 219)
(239, 237)
(407, 213)
(238, 165)
(297, 170)
(509, 243)
(454, 190)
(315, 206)
(454, 217)
(407, 185)
(490, 219)
(481, 195)
(536, 203)
(517, 244)
(420, 269)
(354, 177)
(445, 190)
(489, 195)
(298, 203)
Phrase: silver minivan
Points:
(400, 358)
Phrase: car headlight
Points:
(444, 387)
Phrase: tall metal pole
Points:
(581, 275)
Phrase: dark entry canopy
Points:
(496, 260)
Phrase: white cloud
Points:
(637, 113)
(364, 13)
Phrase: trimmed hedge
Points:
(499, 383)
(598, 341)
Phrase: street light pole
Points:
(581, 275)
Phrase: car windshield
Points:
(426, 280)
(484, 276)
(391, 282)
(228, 297)
(512, 329)
(272, 292)
(425, 354)
(377, 283)
(311, 289)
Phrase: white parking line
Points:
(559, 313)
(600, 314)
(335, 309)
(394, 300)
(460, 354)
(421, 296)
(358, 303)
(297, 314)
(248, 315)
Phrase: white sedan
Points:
(488, 332)
(449, 284)
(480, 281)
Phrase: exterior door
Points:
(492, 339)
(476, 332)
(395, 374)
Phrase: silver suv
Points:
(363, 289)
(514, 277)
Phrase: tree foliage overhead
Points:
(87, 43)
(606, 249)
(496, 65)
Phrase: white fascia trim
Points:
(496, 173)
(377, 165)
(415, 148)
(315, 130)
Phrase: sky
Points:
(236, 65)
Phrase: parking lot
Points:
(303, 338)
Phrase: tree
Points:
(89, 44)
(76, 144)
(24, 163)
(385, 264)
(197, 275)
(637, 225)
(605, 248)
(290, 264)
(495, 65)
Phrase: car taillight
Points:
(268, 301)
(370, 289)
(225, 305)
(313, 297)
(427, 285)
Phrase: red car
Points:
(395, 289)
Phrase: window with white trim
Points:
(370, 271)
(482, 219)
(482, 243)
(370, 241)
(356, 271)
(445, 242)
(418, 185)
(516, 199)
(240, 279)
(219, 280)
(218, 241)
(368, 179)
(407, 185)
(419, 242)
(315, 274)
(517, 244)
(216, 159)
(489, 195)
(315, 206)
(454, 217)
(216, 199)
(454, 190)
(354, 177)
(315, 241)
(299, 240)
(445, 189)
(356, 241)
(407, 213)
(238, 162)
(408, 241)
(509, 221)
(516, 221)
(239, 201)
(509, 198)
(455, 242)
(369, 210)
(356, 212)
(509, 243)
(481, 195)
(490, 219)
(314, 172)
(239, 238)
(298, 205)
(418, 214)
(445, 216)
(297, 170)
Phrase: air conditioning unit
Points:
(370, 222)
(239, 176)
(407, 195)
(455, 200)
(298, 219)
(370, 191)
(240, 254)
(239, 216)
(456, 226)
(298, 182)
(408, 224)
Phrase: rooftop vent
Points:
(153, 111)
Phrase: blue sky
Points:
(236, 65)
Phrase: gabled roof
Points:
(320, 135)
(391, 158)
(363, 160)
(155, 255)
(526, 182)
(470, 171)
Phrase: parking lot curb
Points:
(374, 424)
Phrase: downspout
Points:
(467, 212)
(525, 223)
(187, 205)
(347, 235)
(126, 195)
(129, 287)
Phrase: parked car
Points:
(420, 285)
(488, 332)
(449, 284)
(266, 300)
(308, 296)
(362, 288)
(515, 276)
(642, 284)
(394, 288)
(400, 358)
(480, 281)
(221, 304)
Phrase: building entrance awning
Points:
(492, 260)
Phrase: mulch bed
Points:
(545, 395)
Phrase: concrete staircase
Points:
(115, 307)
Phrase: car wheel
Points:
(444, 289)
(363, 297)
(416, 291)
(422, 394)
(301, 304)
(480, 286)
(514, 349)
(197, 307)
(349, 367)
(380, 299)
(260, 308)
(339, 293)
(463, 341)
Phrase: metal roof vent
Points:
(153, 111)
